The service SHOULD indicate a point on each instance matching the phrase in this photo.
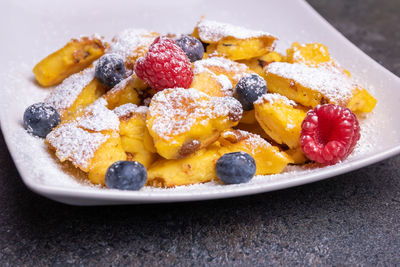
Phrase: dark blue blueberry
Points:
(126, 175)
(40, 119)
(191, 46)
(249, 88)
(235, 168)
(110, 69)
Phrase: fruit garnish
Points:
(329, 133)
(165, 65)
(235, 168)
(126, 175)
(110, 69)
(249, 88)
(193, 47)
(40, 119)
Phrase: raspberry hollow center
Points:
(325, 132)
(329, 133)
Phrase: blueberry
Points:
(191, 46)
(235, 168)
(249, 88)
(126, 175)
(110, 69)
(40, 119)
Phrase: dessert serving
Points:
(219, 104)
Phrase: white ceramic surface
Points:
(32, 29)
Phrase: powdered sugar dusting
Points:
(212, 31)
(44, 111)
(120, 86)
(97, 117)
(222, 79)
(78, 140)
(131, 42)
(253, 82)
(75, 144)
(333, 85)
(368, 133)
(300, 58)
(66, 93)
(217, 66)
(224, 64)
(272, 98)
(127, 109)
(175, 111)
(252, 140)
(225, 83)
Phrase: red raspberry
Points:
(329, 134)
(165, 65)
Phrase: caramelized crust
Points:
(75, 56)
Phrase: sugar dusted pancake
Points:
(280, 118)
(91, 142)
(135, 138)
(233, 42)
(309, 86)
(217, 76)
(182, 121)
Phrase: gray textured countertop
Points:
(349, 219)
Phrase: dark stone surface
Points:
(372, 25)
(352, 219)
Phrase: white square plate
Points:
(32, 29)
